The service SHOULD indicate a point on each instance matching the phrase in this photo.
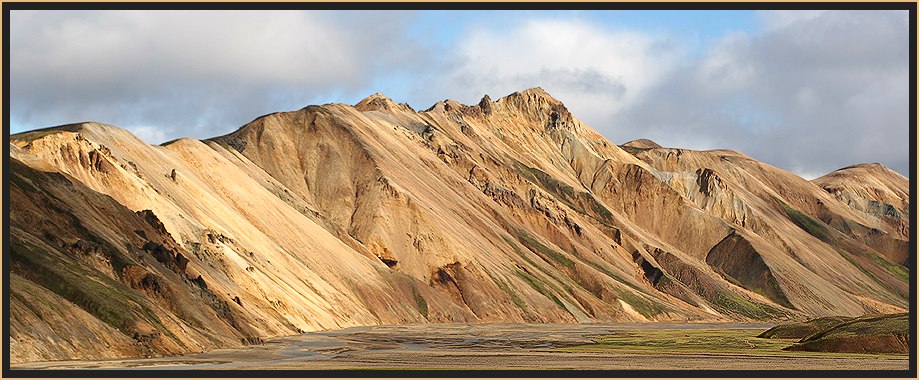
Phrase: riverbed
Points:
(657, 346)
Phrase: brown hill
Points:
(335, 215)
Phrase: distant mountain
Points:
(505, 211)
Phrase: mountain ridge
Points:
(505, 211)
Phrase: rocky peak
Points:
(376, 102)
(538, 92)
(486, 105)
(447, 105)
(537, 105)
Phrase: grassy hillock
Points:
(871, 334)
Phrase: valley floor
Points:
(514, 346)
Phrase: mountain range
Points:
(509, 211)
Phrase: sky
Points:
(806, 91)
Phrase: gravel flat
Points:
(500, 346)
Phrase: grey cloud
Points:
(585, 81)
(580, 82)
(809, 95)
(194, 73)
(593, 69)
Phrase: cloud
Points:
(148, 133)
(808, 92)
(593, 70)
(780, 19)
(812, 93)
(193, 73)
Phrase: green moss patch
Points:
(511, 293)
(731, 303)
(899, 271)
(421, 303)
(110, 302)
(806, 223)
(535, 246)
(537, 285)
(642, 306)
(580, 201)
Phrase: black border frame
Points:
(363, 5)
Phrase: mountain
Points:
(504, 211)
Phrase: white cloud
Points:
(150, 135)
(207, 71)
(725, 70)
(595, 71)
(779, 19)
(812, 93)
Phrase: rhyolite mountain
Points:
(505, 211)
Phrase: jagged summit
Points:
(486, 104)
(536, 104)
(535, 92)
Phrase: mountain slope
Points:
(335, 215)
(882, 195)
